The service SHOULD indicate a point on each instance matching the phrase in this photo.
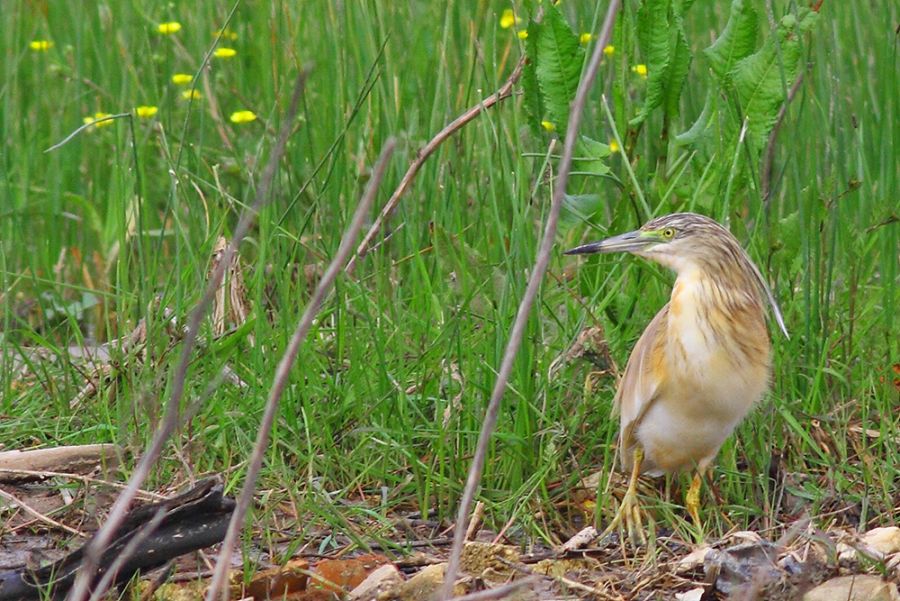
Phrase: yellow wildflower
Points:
(243, 117)
(145, 112)
(613, 147)
(548, 125)
(609, 50)
(508, 18)
(226, 34)
(40, 45)
(224, 52)
(182, 79)
(98, 115)
(169, 28)
(522, 34)
(191, 95)
(640, 69)
(586, 38)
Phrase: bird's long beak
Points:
(630, 242)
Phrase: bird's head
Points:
(687, 242)
(678, 241)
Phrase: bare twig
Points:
(40, 474)
(11, 498)
(765, 174)
(534, 284)
(504, 92)
(283, 372)
(498, 592)
(171, 419)
(567, 582)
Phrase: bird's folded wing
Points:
(641, 381)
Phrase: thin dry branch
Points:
(11, 498)
(534, 284)
(451, 128)
(282, 374)
(171, 420)
(499, 592)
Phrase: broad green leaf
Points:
(589, 155)
(579, 208)
(679, 66)
(558, 67)
(702, 127)
(653, 40)
(737, 40)
(761, 79)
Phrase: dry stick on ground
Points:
(504, 92)
(37, 514)
(283, 372)
(534, 284)
(43, 474)
(499, 592)
(171, 420)
(765, 174)
(72, 459)
(567, 582)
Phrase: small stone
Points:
(746, 536)
(581, 540)
(876, 544)
(695, 594)
(854, 588)
(385, 578)
(884, 541)
(426, 583)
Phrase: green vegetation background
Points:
(387, 397)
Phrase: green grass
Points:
(428, 316)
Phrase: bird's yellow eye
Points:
(668, 233)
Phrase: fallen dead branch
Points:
(18, 466)
(534, 284)
(148, 537)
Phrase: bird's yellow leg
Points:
(629, 513)
(692, 502)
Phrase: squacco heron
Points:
(701, 364)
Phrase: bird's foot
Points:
(629, 517)
(692, 504)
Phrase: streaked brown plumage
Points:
(703, 361)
